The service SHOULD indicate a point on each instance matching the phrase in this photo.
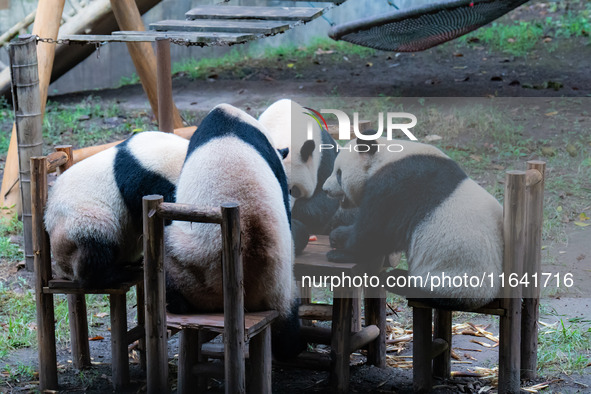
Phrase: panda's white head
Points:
(360, 159)
(287, 123)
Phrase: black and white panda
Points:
(307, 168)
(413, 198)
(94, 209)
(230, 159)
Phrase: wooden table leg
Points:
(340, 342)
(375, 313)
(119, 353)
(421, 351)
(79, 330)
(260, 362)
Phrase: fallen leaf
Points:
(583, 217)
(572, 150)
(321, 51)
(581, 224)
(551, 113)
(432, 138)
(101, 314)
(97, 338)
(290, 65)
(476, 158)
(511, 40)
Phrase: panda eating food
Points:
(415, 199)
(94, 209)
(307, 168)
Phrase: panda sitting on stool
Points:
(307, 168)
(94, 210)
(230, 159)
(415, 199)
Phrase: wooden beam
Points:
(128, 18)
(304, 14)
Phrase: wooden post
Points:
(45, 313)
(25, 96)
(141, 322)
(356, 309)
(156, 347)
(165, 104)
(341, 341)
(442, 329)
(47, 23)
(260, 362)
(233, 301)
(119, 353)
(188, 357)
(533, 257)
(78, 331)
(129, 18)
(375, 313)
(421, 349)
(514, 211)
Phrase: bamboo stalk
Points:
(26, 102)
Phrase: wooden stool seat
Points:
(65, 286)
(254, 322)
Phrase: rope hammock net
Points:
(423, 27)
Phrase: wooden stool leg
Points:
(442, 363)
(46, 338)
(356, 309)
(375, 313)
(340, 342)
(79, 331)
(305, 299)
(141, 322)
(119, 353)
(421, 351)
(188, 357)
(260, 362)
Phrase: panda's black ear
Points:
(307, 150)
(283, 152)
(373, 147)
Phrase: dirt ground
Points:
(447, 71)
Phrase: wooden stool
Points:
(237, 327)
(522, 233)
(346, 334)
(46, 287)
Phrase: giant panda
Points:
(413, 198)
(230, 159)
(307, 168)
(94, 209)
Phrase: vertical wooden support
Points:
(260, 362)
(514, 236)
(78, 331)
(27, 113)
(47, 23)
(45, 313)
(340, 341)
(533, 258)
(165, 105)
(141, 321)
(305, 299)
(375, 313)
(421, 349)
(128, 18)
(442, 329)
(233, 300)
(356, 309)
(188, 357)
(156, 349)
(119, 353)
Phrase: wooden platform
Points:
(302, 14)
(64, 286)
(313, 261)
(223, 25)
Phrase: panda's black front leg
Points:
(340, 239)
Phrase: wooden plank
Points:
(533, 257)
(321, 312)
(222, 26)
(304, 14)
(200, 39)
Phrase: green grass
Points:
(565, 348)
(8, 250)
(518, 38)
(17, 373)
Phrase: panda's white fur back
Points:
(85, 202)
(227, 169)
(287, 124)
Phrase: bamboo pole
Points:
(14, 30)
(47, 23)
(25, 96)
(128, 18)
